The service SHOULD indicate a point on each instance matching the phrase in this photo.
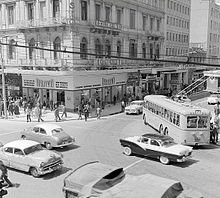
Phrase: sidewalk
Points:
(48, 116)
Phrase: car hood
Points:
(179, 149)
(44, 156)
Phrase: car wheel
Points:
(161, 129)
(164, 160)
(127, 151)
(34, 172)
(145, 120)
(48, 145)
(23, 137)
(165, 131)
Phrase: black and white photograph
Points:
(109, 98)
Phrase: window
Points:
(36, 129)
(192, 122)
(8, 150)
(56, 8)
(10, 15)
(11, 49)
(108, 48)
(132, 19)
(30, 8)
(132, 49)
(157, 51)
(98, 48)
(151, 50)
(203, 122)
(18, 151)
(119, 48)
(31, 50)
(151, 23)
(57, 47)
(84, 10)
(158, 25)
(119, 15)
(42, 10)
(143, 50)
(97, 12)
(83, 49)
(42, 131)
(154, 142)
(107, 13)
(144, 22)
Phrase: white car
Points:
(135, 107)
(213, 99)
(30, 156)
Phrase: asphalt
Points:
(48, 115)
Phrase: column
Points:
(91, 14)
(4, 15)
(114, 14)
(36, 11)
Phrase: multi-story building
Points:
(64, 36)
(177, 30)
(205, 27)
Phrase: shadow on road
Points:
(67, 148)
(57, 173)
(203, 147)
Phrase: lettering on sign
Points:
(45, 83)
(29, 83)
(108, 81)
(63, 85)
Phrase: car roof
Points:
(138, 101)
(157, 136)
(21, 144)
(48, 126)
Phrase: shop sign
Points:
(45, 83)
(105, 24)
(132, 77)
(108, 81)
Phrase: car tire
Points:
(34, 172)
(161, 129)
(23, 137)
(48, 145)
(164, 160)
(127, 151)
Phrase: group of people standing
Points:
(214, 128)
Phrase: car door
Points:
(34, 134)
(144, 144)
(43, 136)
(154, 148)
(19, 160)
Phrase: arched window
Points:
(57, 47)
(98, 48)
(143, 50)
(107, 48)
(158, 51)
(151, 50)
(83, 48)
(119, 48)
(132, 49)
(11, 49)
(31, 50)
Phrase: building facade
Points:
(85, 35)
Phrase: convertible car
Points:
(156, 146)
(49, 135)
(29, 156)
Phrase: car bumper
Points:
(183, 159)
(64, 144)
(49, 169)
(131, 111)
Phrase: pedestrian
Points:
(29, 112)
(39, 118)
(122, 106)
(80, 109)
(11, 109)
(86, 111)
(216, 126)
(64, 112)
(98, 112)
(57, 113)
(4, 175)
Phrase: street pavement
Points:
(48, 115)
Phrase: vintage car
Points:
(156, 146)
(49, 135)
(30, 156)
(135, 107)
(213, 99)
(95, 179)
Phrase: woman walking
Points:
(29, 112)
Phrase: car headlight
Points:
(42, 164)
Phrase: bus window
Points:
(178, 120)
(192, 122)
(171, 116)
(203, 121)
(174, 118)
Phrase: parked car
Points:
(49, 135)
(156, 146)
(30, 156)
(95, 179)
(135, 107)
(213, 99)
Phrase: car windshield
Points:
(57, 130)
(33, 149)
(168, 143)
(136, 103)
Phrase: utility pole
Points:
(3, 88)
